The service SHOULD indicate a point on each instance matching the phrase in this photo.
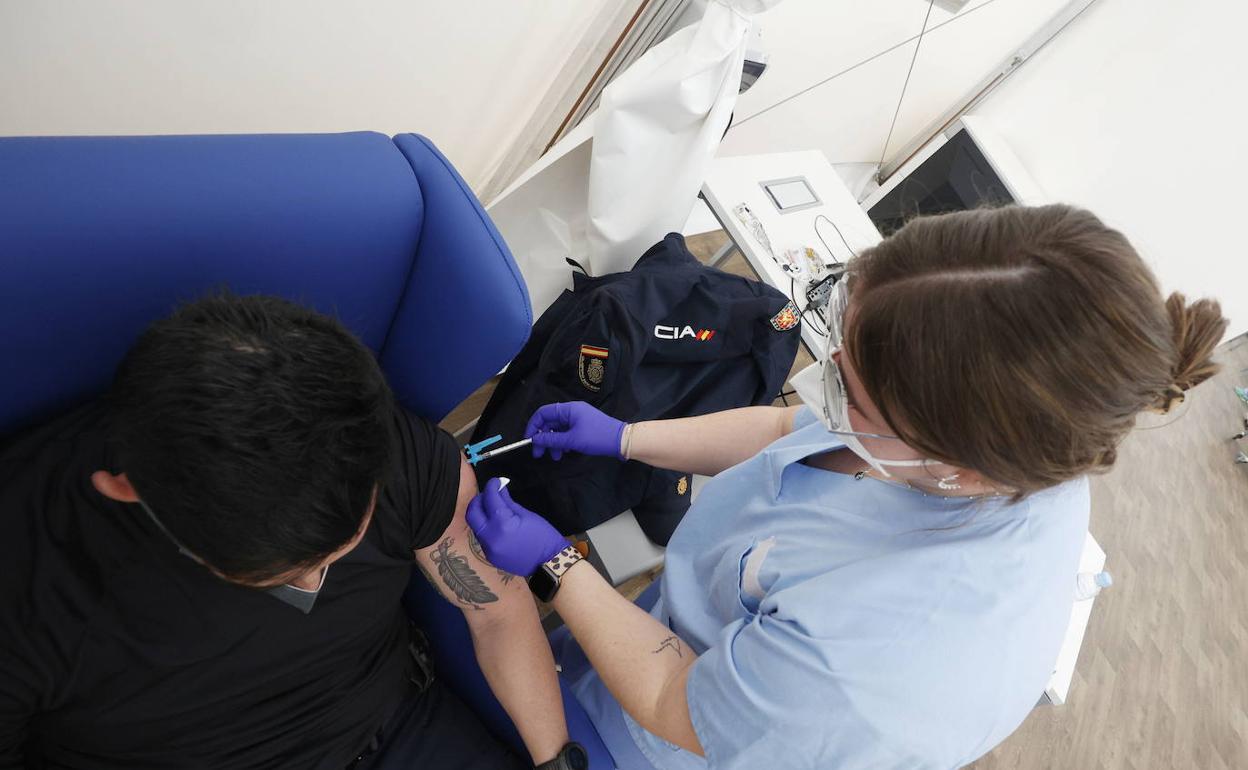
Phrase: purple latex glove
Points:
(514, 538)
(574, 426)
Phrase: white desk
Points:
(1091, 560)
(735, 180)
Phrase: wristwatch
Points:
(545, 582)
(571, 757)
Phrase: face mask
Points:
(832, 409)
(822, 387)
(298, 598)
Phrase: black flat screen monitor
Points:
(956, 177)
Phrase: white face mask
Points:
(809, 385)
(822, 387)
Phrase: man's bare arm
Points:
(506, 630)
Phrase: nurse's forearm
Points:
(640, 660)
(710, 443)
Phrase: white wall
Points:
(468, 75)
(848, 118)
(1138, 112)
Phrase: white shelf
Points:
(1092, 560)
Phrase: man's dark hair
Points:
(255, 429)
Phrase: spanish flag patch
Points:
(591, 366)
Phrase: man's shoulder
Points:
(418, 500)
(415, 432)
(57, 438)
(49, 514)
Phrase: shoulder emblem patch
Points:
(682, 485)
(786, 319)
(591, 366)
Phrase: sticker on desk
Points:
(786, 319)
(591, 366)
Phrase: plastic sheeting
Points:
(655, 134)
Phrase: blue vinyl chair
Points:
(99, 236)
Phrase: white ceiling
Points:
(848, 117)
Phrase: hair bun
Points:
(1197, 328)
(1169, 399)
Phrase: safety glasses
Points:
(835, 407)
(835, 394)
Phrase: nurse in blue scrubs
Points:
(880, 578)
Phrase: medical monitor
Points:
(965, 168)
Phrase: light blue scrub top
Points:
(854, 624)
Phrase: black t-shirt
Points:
(116, 651)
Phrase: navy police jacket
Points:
(669, 338)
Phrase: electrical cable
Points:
(821, 329)
(819, 235)
(906, 84)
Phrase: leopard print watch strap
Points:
(563, 561)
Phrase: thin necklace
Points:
(860, 475)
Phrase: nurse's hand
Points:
(514, 538)
(574, 426)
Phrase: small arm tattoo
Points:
(459, 576)
(670, 643)
(475, 546)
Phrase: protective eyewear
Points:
(834, 413)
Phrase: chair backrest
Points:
(101, 235)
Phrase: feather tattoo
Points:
(457, 574)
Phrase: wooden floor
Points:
(1162, 680)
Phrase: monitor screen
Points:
(956, 177)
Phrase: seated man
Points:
(204, 569)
